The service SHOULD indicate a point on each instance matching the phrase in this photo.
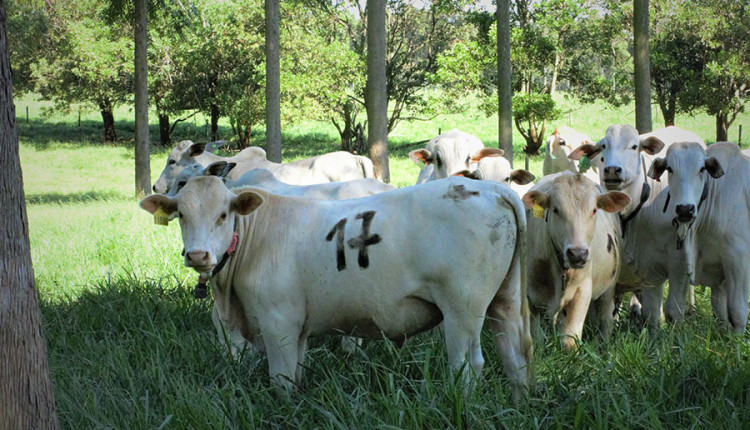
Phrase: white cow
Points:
(497, 168)
(623, 158)
(336, 166)
(574, 251)
(446, 154)
(187, 153)
(560, 144)
(709, 191)
(305, 267)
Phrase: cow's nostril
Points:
(577, 256)
(688, 209)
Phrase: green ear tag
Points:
(584, 164)
(538, 211)
(161, 217)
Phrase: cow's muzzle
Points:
(199, 260)
(577, 257)
(612, 177)
(685, 213)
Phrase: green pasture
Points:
(129, 348)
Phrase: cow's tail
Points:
(367, 168)
(519, 257)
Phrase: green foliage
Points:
(536, 110)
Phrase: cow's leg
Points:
(679, 284)
(301, 351)
(605, 313)
(349, 343)
(737, 285)
(575, 315)
(462, 340)
(230, 337)
(282, 340)
(651, 298)
(719, 302)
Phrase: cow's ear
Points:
(651, 145)
(613, 201)
(421, 155)
(534, 198)
(467, 174)
(183, 145)
(246, 202)
(521, 177)
(213, 146)
(219, 168)
(196, 149)
(713, 167)
(486, 152)
(658, 166)
(153, 202)
(588, 149)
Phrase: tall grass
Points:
(130, 348)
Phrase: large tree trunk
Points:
(722, 128)
(214, 122)
(142, 150)
(377, 95)
(28, 401)
(504, 89)
(165, 135)
(108, 118)
(642, 67)
(273, 82)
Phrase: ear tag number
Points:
(538, 211)
(161, 217)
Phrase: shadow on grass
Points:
(62, 198)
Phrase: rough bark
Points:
(504, 90)
(214, 122)
(376, 90)
(273, 82)
(142, 150)
(642, 66)
(722, 128)
(165, 132)
(108, 118)
(26, 394)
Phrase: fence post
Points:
(739, 138)
(27, 115)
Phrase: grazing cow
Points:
(331, 167)
(574, 251)
(300, 267)
(187, 153)
(709, 200)
(497, 168)
(560, 144)
(446, 154)
(623, 159)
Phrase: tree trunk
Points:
(273, 82)
(142, 150)
(164, 130)
(642, 67)
(376, 92)
(214, 122)
(28, 401)
(504, 89)
(108, 117)
(722, 128)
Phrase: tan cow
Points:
(574, 251)
(304, 267)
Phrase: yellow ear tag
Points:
(161, 217)
(538, 211)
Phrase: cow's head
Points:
(561, 143)
(688, 168)
(206, 210)
(617, 155)
(218, 168)
(491, 165)
(449, 153)
(570, 202)
(172, 169)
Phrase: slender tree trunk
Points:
(273, 82)
(642, 67)
(142, 149)
(28, 401)
(377, 95)
(504, 89)
(722, 128)
(108, 118)
(214, 122)
(164, 130)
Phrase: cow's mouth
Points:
(613, 184)
(202, 269)
(685, 218)
(577, 264)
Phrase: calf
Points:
(446, 154)
(304, 267)
(574, 251)
(709, 200)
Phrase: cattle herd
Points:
(319, 246)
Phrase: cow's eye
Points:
(593, 212)
(170, 162)
(604, 146)
(179, 214)
(602, 159)
(180, 184)
(555, 211)
(634, 147)
(222, 217)
(507, 179)
(561, 142)
(439, 161)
